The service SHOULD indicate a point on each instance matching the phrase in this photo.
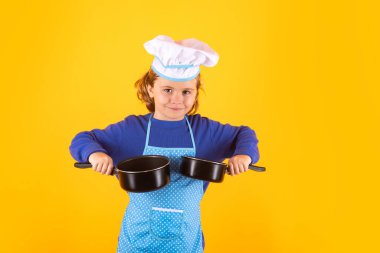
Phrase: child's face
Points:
(172, 100)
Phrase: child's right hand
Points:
(101, 163)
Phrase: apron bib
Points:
(168, 219)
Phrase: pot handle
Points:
(82, 165)
(89, 165)
(256, 168)
(251, 167)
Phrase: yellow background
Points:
(303, 74)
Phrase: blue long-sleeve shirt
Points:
(126, 139)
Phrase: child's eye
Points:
(167, 90)
(186, 92)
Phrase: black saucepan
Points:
(207, 170)
(140, 174)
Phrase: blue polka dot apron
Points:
(168, 219)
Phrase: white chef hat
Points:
(179, 60)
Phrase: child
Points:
(168, 219)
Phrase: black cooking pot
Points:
(207, 170)
(140, 174)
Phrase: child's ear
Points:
(150, 91)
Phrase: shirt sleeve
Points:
(97, 140)
(234, 140)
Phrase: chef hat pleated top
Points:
(179, 60)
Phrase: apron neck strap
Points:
(149, 126)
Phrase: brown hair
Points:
(148, 80)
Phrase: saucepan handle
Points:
(256, 168)
(89, 165)
(83, 165)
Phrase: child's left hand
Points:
(238, 164)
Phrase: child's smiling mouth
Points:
(176, 109)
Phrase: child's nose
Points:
(177, 97)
